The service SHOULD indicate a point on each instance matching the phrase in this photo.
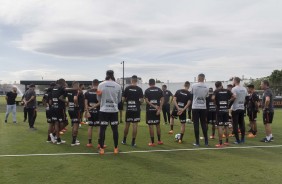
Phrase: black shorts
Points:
(182, 117)
(211, 117)
(222, 119)
(120, 106)
(108, 118)
(267, 117)
(252, 115)
(93, 120)
(58, 115)
(74, 115)
(49, 116)
(152, 118)
(133, 116)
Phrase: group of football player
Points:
(223, 108)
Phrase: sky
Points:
(163, 39)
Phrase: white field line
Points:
(145, 151)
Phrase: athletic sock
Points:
(73, 139)
(90, 141)
(270, 135)
(220, 142)
(227, 140)
(171, 127)
(98, 141)
(159, 137)
(124, 139)
(268, 138)
(59, 139)
(181, 136)
(152, 140)
(133, 141)
(54, 134)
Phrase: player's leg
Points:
(102, 135)
(196, 117)
(165, 114)
(242, 127)
(203, 119)
(235, 119)
(151, 131)
(115, 135)
(14, 111)
(158, 127)
(171, 124)
(220, 133)
(125, 132)
(134, 133)
(8, 109)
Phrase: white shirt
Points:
(200, 91)
(240, 94)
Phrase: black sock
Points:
(181, 136)
(220, 142)
(49, 138)
(124, 139)
(59, 139)
(133, 141)
(171, 127)
(227, 140)
(73, 139)
(159, 137)
(152, 140)
(98, 141)
(54, 134)
(90, 141)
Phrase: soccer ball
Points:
(188, 120)
(177, 137)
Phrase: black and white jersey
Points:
(154, 95)
(210, 104)
(251, 101)
(132, 95)
(91, 97)
(71, 94)
(222, 97)
(56, 103)
(182, 97)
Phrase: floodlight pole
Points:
(122, 76)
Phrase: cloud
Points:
(160, 39)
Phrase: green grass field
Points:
(253, 165)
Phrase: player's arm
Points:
(6, 97)
(149, 103)
(159, 109)
(267, 102)
(174, 100)
(187, 105)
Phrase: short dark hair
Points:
(31, 85)
(218, 84)
(134, 78)
(52, 84)
(152, 82)
(201, 75)
(229, 85)
(80, 85)
(187, 83)
(61, 82)
(237, 79)
(164, 86)
(251, 86)
(265, 82)
(95, 82)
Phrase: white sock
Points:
(270, 135)
(268, 138)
